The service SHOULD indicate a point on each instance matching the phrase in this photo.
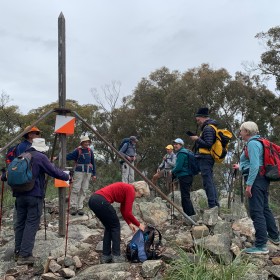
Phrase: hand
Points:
(93, 178)
(142, 227)
(248, 191)
(133, 227)
(235, 166)
(158, 170)
(194, 138)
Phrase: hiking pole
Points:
(172, 207)
(233, 176)
(3, 179)
(149, 182)
(71, 172)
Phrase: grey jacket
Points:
(169, 162)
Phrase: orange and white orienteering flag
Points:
(64, 124)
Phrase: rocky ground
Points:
(223, 234)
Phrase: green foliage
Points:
(204, 267)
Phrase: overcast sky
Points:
(122, 40)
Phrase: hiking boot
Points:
(25, 260)
(81, 212)
(275, 241)
(256, 250)
(106, 259)
(118, 259)
(73, 212)
(16, 255)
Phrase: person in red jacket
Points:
(100, 203)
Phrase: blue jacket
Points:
(22, 147)
(182, 164)
(40, 166)
(255, 160)
(84, 160)
(128, 149)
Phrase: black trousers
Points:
(106, 213)
(185, 188)
(29, 211)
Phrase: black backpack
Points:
(143, 246)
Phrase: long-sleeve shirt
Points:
(124, 194)
(169, 161)
(128, 149)
(84, 160)
(254, 161)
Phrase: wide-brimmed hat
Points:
(202, 112)
(84, 138)
(169, 147)
(31, 129)
(39, 145)
(178, 141)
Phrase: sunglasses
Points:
(35, 132)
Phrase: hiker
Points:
(128, 150)
(183, 173)
(203, 144)
(84, 171)
(257, 187)
(28, 204)
(100, 203)
(164, 169)
(33, 133)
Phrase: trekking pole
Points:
(68, 206)
(3, 179)
(233, 176)
(172, 207)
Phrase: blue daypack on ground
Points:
(143, 247)
(19, 173)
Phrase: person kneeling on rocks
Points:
(100, 203)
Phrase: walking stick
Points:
(68, 207)
(3, 179)
(233, 176)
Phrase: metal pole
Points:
(62, 102)
(134, 168)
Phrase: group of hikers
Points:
(175, 164)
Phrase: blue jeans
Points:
(206, 165)
(106, 213)
(185, 188)
(260, 213)
(29, 211)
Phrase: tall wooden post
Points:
(62, 103)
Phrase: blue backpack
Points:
(143, 247)
(124, 141)
(19, 173)
(193, 162)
